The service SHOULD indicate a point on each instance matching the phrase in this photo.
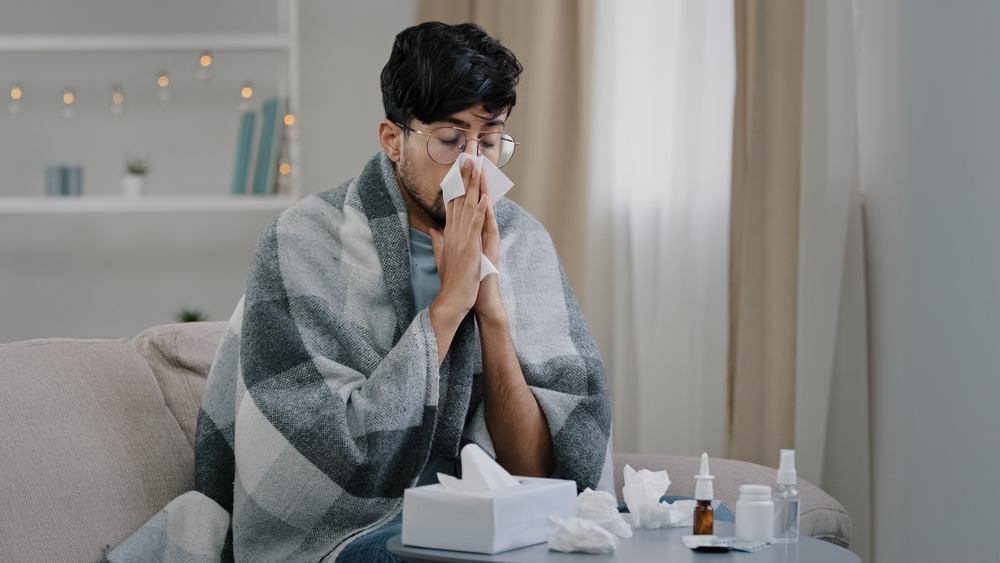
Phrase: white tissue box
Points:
(488, 522)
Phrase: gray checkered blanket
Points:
(326, 401)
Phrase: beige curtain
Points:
(764, 229)
(552, 39)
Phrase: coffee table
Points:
(660, 546)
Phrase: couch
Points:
(98, 436)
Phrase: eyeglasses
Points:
(444, 144)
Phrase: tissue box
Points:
(488, 522)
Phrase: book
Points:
(244, 146)
(269, 146)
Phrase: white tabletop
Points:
(663, 545)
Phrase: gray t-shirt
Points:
(426, 285)
(423, 270)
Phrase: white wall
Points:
(110, 275)
(929, 87)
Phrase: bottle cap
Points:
(703, 490)
(786, 472)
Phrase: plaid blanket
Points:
(326, 401)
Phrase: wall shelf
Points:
(88, 204)
(145, 42)
(285, 42)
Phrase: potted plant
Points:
(136, 169)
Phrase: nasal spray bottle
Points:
(786, 501)
(704, 515)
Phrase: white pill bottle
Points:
(755, 514)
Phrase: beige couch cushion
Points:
(822, 517)
(180, 356)
(89, 449)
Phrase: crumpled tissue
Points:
(480, 473)
(602, 508)
(452, 186)
(577, 534)
(642, 492)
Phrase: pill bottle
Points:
(755, 514)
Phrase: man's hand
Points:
(457, 252)
(489, 306)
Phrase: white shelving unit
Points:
(285, 41)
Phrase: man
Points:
(367, 350)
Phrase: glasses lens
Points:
(505, 149)
(498, 147)
(445, 144)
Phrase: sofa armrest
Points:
(822, 516)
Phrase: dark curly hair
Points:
(436, 70)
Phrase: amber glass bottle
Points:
(704, 518)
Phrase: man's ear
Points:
(391, 137)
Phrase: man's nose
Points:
(472, 146)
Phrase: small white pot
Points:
(132, 186)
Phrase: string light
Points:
(284, 167)
(162, 93)
(289, 119)
(68, 97)
(14, 108)
(247, 91)
(117, 100)
(204, 62)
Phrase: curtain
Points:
(833, 422)
(764, 224)
(553, 39)
(658, 218)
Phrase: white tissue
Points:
(452, 186)
(602, 508)
(642, 492)
(577, 534)
(480, 473)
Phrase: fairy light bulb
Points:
(284, 167)
(163, 93)
(68, 97)
(204, 63)
(289, 119)
(14, 107)
(117, 100)
(246, 93)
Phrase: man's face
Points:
(420, 176)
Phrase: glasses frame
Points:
(479, 146)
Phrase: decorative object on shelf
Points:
(186, 315)
(136, 169)
(245, 94)
(163, 93)
(68, 109)
(268, 147)
(14, 107)
(203, 70)
(63, 180)
(117, 100)
(244, 146)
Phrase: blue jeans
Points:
(370, 548)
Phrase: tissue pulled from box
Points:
(453, 186)
(579, 535)
(480, 473)
(602, 508)
(498, 184)
(642, 492)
